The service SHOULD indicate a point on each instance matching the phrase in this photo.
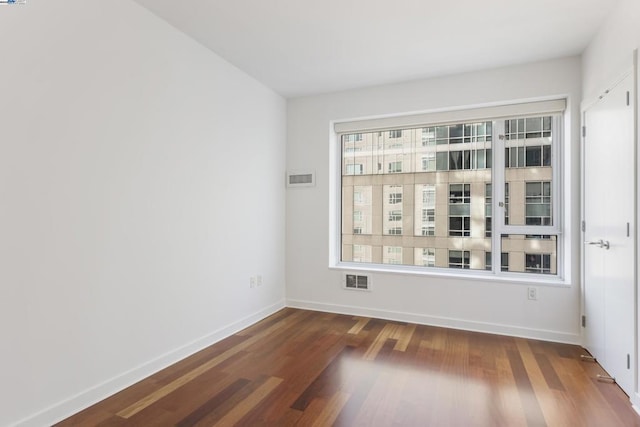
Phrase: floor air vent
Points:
(356, 281)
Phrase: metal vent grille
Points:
(356, 281)
(301, 179)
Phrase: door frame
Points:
(635, 398)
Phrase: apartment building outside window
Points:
(355, 169)
(395, 167)
(427, 209)
(504, 261)
(538, 263)
(459, 259)
(436, 204)
(487, 210)
(425, 257)
(392, 255)
(459, 209)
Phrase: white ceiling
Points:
(302, 47)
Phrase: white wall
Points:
(610, 53)
(469, 304)
(607, 58)
(141, 184)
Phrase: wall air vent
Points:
(357, 281)
(301, 178)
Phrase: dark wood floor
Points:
(308, 368)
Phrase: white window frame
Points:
(497, 114)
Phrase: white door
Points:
(609, 250)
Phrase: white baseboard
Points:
(82, 400)
(635, 402)
(446, 322)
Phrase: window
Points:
(396, 196)
(504, 261)
(459, 160)
(482, 159)
(361, 253)
(362, 209)
(528, 128)
(427, 224)
(428, 137)
(458, 133)
(355, 137)
(395, 215)
(460, 210)
(442, 161)
(538, 203)
(529, 254)
(395, 167)
(487, 210)
(357, 197)
(355, 170)
(392, 255)
(538, 263)
(456, 196)
(459, 259)
(429, 162)
(506, 203)
(392, 211)
(425, 257)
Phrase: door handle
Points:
(599, 243)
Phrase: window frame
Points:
(560, 211)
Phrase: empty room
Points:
(409, 213)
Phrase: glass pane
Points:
(442, 161)
(407, 198)
(529, 254)
(529, 175)
(480, 156)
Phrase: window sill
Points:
(474, 275)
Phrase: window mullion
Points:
(498, 180)
(556, 127)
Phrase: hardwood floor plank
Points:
(358, 326)
(246, 405)
(379, 341)
(210, 405)
(324, 384)
(363, 376)
(530, 405)
(404, 336)
(331, 410)
(550, 375)
(324, 410)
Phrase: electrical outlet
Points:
(252, 282)
(532, 293)
(259, 281)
